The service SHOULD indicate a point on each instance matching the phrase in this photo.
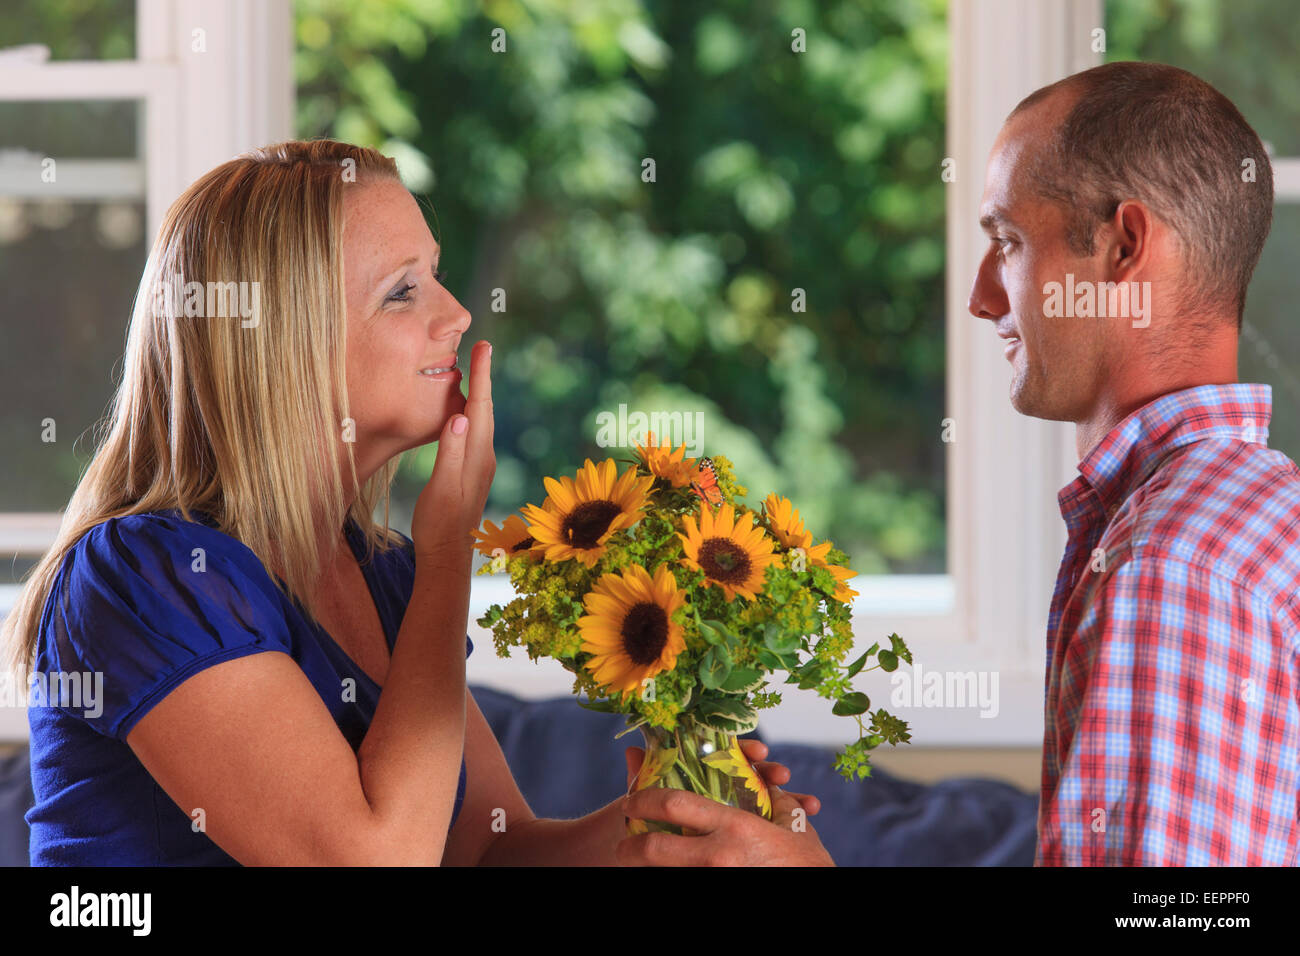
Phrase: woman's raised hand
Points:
(450, 507)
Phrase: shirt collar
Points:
(1127, 456)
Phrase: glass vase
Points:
(701, 760)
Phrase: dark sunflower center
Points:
(645, 632)
(724, 560)
(587, 522)
(523, 545)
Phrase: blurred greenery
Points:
(774, 171)
(1247, 52)
(72, 29)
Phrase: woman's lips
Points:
(444, 371)
(449, 375)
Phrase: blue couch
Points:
(567, 763)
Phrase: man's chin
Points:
(1025, 399)
(1032, 405)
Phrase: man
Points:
(1172, 731)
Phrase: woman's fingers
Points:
(634, 757)
(482, 425)
(773, 772)
(480, 365)
(811, 805)
(753, 749)
(478, 401)
(451, 454)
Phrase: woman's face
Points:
(401, 324)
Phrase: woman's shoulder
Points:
(168, 526)
(163, 552)
(148, 599)
(162, 549)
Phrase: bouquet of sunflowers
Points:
(675, 607)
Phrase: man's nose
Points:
(988, 300)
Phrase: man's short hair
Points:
(1165, 137)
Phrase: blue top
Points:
(128, 604)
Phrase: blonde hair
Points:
(238, 418)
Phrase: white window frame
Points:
(200, 108)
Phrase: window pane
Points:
(83, 129)
(72, 247)
(72, 29)
(70, 271)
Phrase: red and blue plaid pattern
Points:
(1172, 716)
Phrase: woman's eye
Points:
(401, 295)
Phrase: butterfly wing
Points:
(707, 486)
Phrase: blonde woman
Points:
(283, 679)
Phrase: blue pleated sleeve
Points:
(144, 602)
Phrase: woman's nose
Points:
(453, 321)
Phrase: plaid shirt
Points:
(1172, 716)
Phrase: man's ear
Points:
(1130, 237)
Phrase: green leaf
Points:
(900, 649)
(780, 641)
(849, 704)
(858, 664)
(715, 632)
(715, 667)
(742, 680)
(604, 705)
(727, 714)
(888, 660)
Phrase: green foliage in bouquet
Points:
(667, 602)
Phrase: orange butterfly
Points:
(707, 487)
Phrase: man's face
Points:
(1059, 364)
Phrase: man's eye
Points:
(401, 295)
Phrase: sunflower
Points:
(629, 627)
(734, 763)
(786, 524)
(512, 537)
(579, 516)
(732, 555)
(789, 530)
(663, 462)
(843, 592)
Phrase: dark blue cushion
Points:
(15, 800)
